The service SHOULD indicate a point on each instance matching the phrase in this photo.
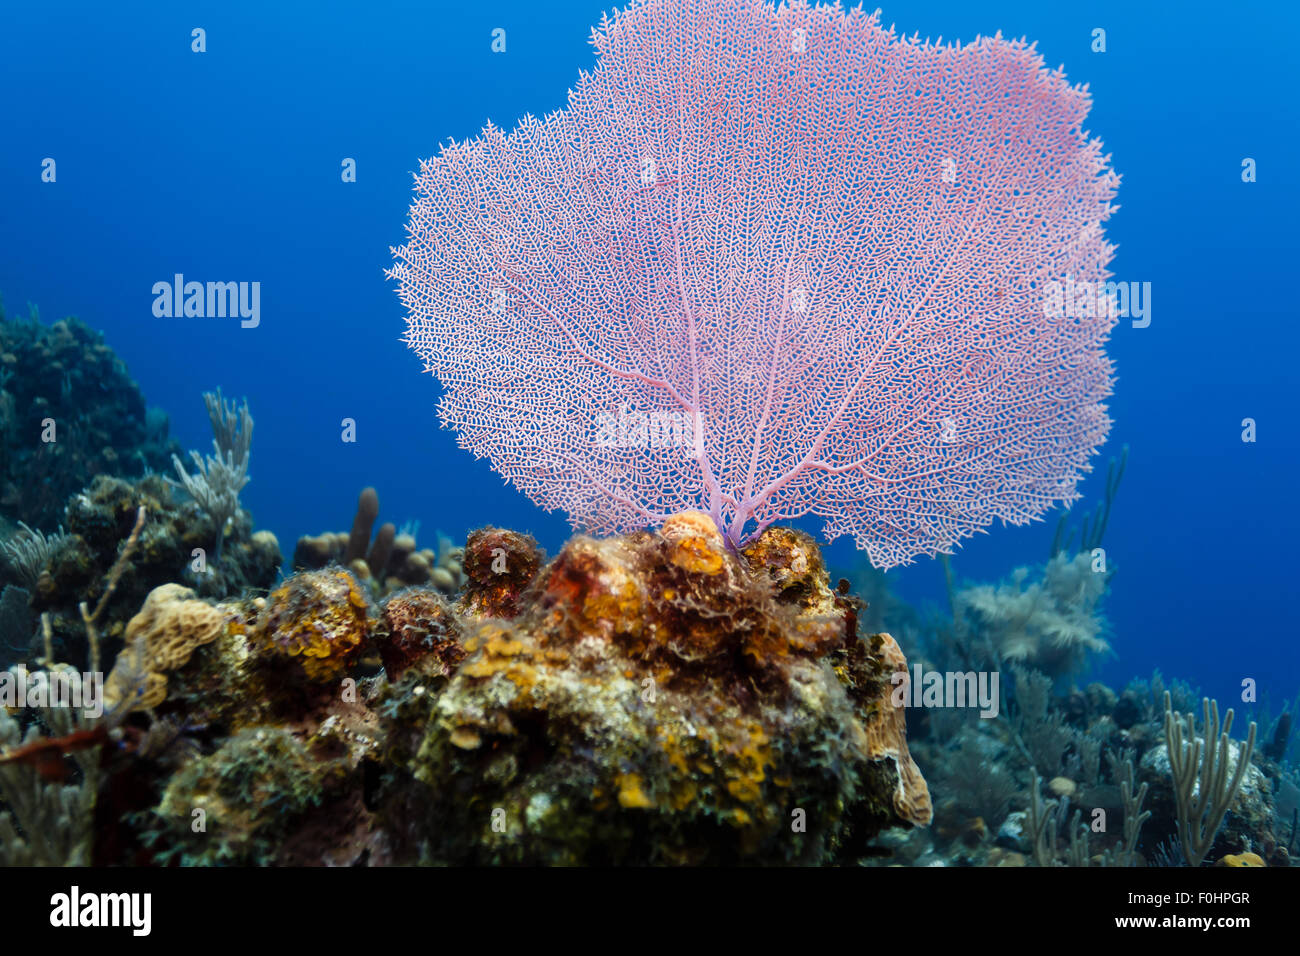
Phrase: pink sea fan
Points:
(771, 263)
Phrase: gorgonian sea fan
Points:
(770, 263)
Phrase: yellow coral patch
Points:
(522, 676)
(695, 555)
(499, 644)
(316, 617)
(631, 794)
(745, 789)
(483, 667)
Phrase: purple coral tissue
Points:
(770, 263)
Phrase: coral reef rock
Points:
(100, 519)
(1249, 822)
(68, 411)
(657, 698)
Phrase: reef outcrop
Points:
(659, 698)
(68, 411)
(655, 698)
(100, 519)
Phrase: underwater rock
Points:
(286, 779)
(499, 565)
(1012, 834)
(63, 376)
(316, 619)
(1101, 700)
(174, 544)
(1002, 857)
(658, 698)
(651, 698)
(904, 845)
(418, 626)
(1248, 825)
(237, 805)
(1128, 711)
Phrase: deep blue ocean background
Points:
(226, 166)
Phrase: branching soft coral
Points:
(1051, 623)
(43, 820)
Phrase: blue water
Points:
(226, 165)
